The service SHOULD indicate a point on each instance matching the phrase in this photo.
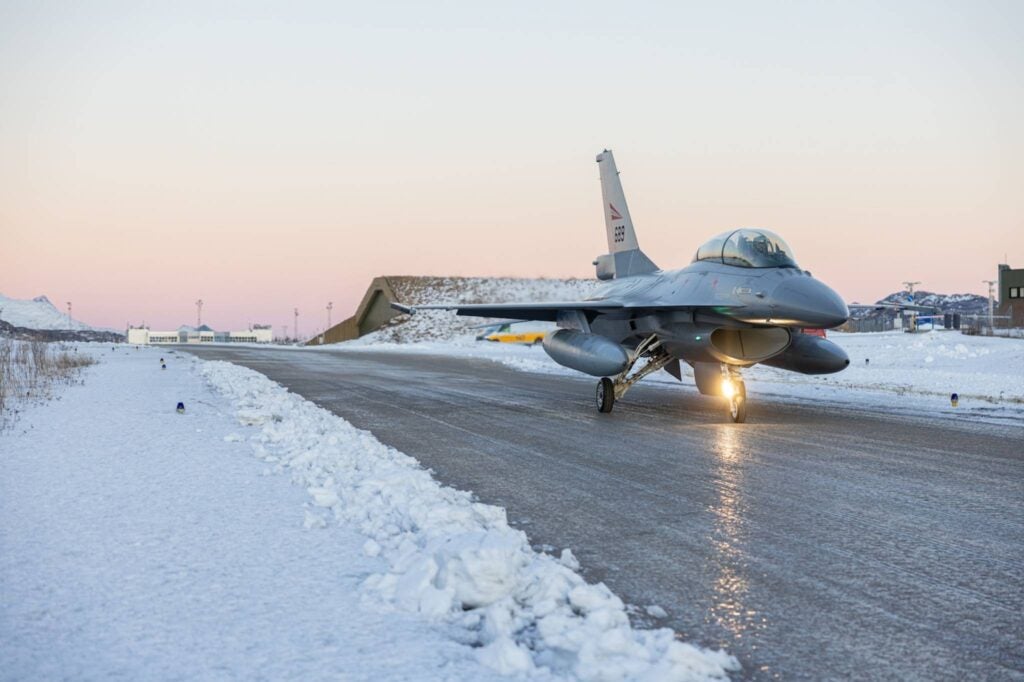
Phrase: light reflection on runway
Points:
(729, 537)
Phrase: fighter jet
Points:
(743, 300)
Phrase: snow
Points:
(38, 313)
(258, 535)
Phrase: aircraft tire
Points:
(738, 405)
(605, 395)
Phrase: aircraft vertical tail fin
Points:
(628, 259)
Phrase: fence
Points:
(1000, 325)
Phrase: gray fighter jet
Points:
(742, 301)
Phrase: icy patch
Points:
(655, 611)
(451, 559)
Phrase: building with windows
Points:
(258, 333)
(1011, 294)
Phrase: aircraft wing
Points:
(890, 306)
(547, 312)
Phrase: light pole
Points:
(910, 288)
(199, 313)
(296, 333)
(991, 301)
(330, 307)
(69, 314)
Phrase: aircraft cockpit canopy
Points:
(748, 248)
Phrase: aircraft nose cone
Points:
(809, 303)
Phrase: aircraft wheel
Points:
(738, 404)
(605, 395)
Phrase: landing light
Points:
(728, 388)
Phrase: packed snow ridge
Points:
(452, 560)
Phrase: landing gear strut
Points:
(735, 391)
(610, 390)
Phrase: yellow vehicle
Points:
(527, 333)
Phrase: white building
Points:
(144, 336)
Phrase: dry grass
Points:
(31, 370)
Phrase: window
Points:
(748, 249)
(1015, 292)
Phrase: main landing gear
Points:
(610, 390)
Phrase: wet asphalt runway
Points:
(813, 542)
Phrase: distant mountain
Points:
(39, 314)
(8, 330)
(965, 304)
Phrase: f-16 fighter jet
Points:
(742, 301)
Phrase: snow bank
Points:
(453, 560)
(935, 363)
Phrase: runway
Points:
(813, 542)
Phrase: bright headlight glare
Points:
(728, 389)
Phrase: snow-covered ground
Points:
(38, 313)
(257, 535)
(915, 373)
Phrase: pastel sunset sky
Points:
(266, 156)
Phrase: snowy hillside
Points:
(38, 313)
(439, 325)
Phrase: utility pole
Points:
(991, 300)
(199, 313)
(69, 314)
(296, 325)
(330, 307)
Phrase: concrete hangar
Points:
(202, 334)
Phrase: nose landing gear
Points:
(735, 391)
